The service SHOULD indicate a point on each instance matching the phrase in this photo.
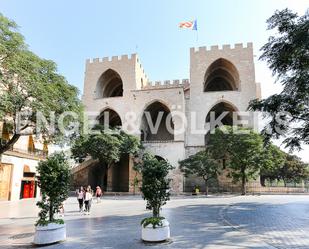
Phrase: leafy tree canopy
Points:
(201, 164)
(275, 160)
(287, 56)
(243, 149)
(30, 85)
(105, 145)
(293, 169)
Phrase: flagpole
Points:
(196, 29)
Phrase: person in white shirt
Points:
(88, 198)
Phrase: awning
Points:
(29, 179)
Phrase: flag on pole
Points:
(188, 25)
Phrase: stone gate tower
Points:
(221, 79)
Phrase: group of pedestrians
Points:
(85, 196)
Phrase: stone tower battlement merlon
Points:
(119, 59)
(128, 67)
(141, 76)
(167, 84)
(226, 48)
(112, 59)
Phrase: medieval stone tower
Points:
(221, 79)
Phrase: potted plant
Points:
(155, 189)
(53, 180)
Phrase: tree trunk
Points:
(51, 215)
(262, 180)
(9, 144)
(243, 182)
(206, 187)
(156, 211)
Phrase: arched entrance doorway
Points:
(116, 179)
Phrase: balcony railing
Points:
(158, 141)
(161, 141)
(35, 152)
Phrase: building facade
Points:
(221, 80)
(18, 167)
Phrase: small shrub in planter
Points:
(53, 180)
(155, 189)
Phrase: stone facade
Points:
(220, 79)
(18, 169)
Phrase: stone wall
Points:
(183, 98)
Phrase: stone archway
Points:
(221, 75)
(109, 85)
(159, 158)
(118, 175)
(109, 118)
(116, 179)
(223, 111)
(157, 124)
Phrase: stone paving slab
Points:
(282, 225)
(216, 222)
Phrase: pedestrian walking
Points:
(88, 198)
(61, 210)
(98, 193)
(92, 194)
(80, 198)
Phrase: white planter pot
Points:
(49, 234)
(157, 234)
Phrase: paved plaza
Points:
(278, 221)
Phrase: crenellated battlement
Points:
(225, 47)
(142, 70)
(131, 57)
(166, 84)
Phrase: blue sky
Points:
(68, 32)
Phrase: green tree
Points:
(287, 56)
(155, 185)
(29, 85)
(275, 158)
(53, 180)
(105, 145)
(293, 170)
(201, 164)
(244, 150)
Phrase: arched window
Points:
(110, 118)
(109, 85)
(221, 75)
(157, 123)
